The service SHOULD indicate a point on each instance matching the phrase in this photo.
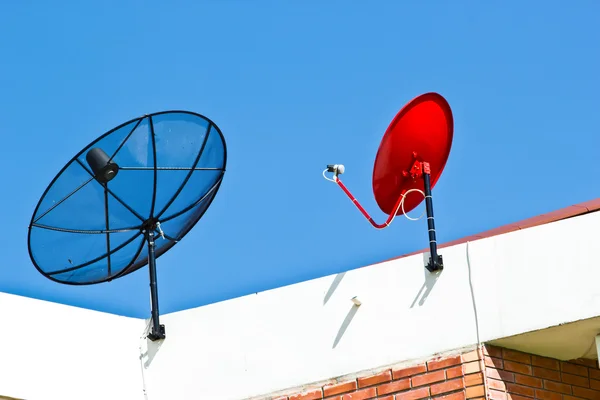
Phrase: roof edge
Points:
(542, 219)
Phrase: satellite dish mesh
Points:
(159, 172)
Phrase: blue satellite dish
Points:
(143, 184)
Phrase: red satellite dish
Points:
(411, 158)
(421, 132)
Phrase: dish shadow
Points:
(345, 324)
(149, 351)
(336, 282)
(428, 284)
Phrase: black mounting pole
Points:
(158, 330)
(436, 262)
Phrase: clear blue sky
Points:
(295, 85)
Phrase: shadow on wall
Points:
(349, 316)
(345, 324)
(336, 282)
(430, 281)
(148, 348)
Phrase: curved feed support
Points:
(435, 261)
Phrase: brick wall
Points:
(450, 378)
(520, 376)
(509, 375)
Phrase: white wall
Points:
(537, 277)
(290, 336)
(309, 332)
(284, 338)
(51, 351)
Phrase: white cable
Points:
(329, 179)
(476, 317)
(402, 204)
(142, 338)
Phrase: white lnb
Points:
(337, 169)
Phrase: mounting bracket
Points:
(436, 261)
(158, 330)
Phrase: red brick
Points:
(516, 356)
(382, 377)
(520, 389)
(392, 387)
(473, 379)
(557, 387)
(339, 388)
(586, 393)
(495, 384)
(595, 373)
(492, 351)
(316, 394)
(443, 363)
(585, 361)
(471, 367)
(594, 384)
(517, 397)
(496, 395)
(448, 386)
(428, 378)
(545, 362)
(574, 369)
(454, 372)
(390, 397)
(546, 373)
(528, 381)
(475, 391)
(414, 394)
(575, 380)
(546, 395)
(362, 394)
(567, 397)
(452, 396)
(500, 374)
(494, 362)
(470, 356)
(517, 367)
(404, 372)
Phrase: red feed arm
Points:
(364, 212)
